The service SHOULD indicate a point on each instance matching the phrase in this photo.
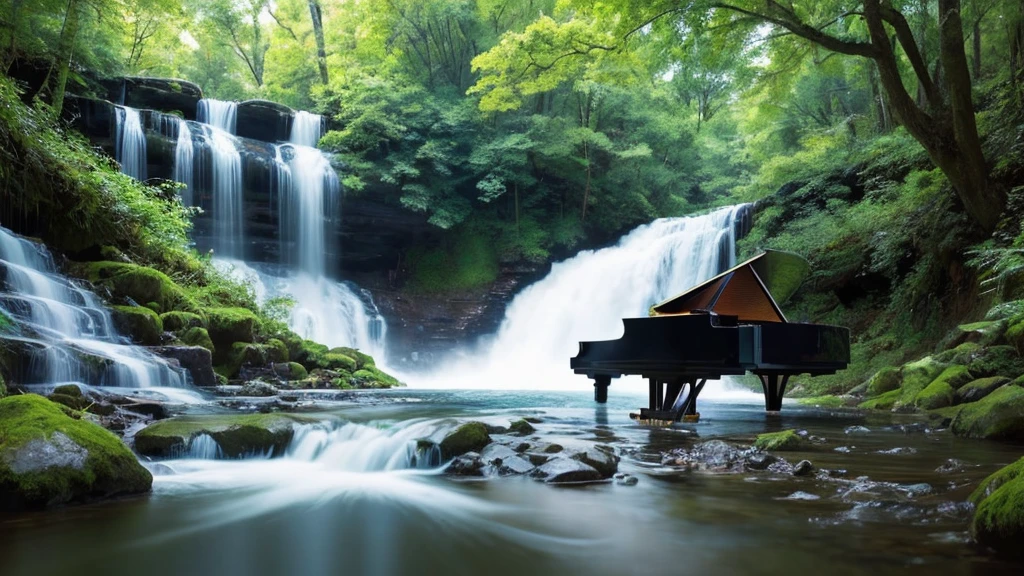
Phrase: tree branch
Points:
(906, 39)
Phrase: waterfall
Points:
(585, 298)
(306, 129)
(183, 171)
(130, 143)
(219, 113)
(61, 332)
(225, 183)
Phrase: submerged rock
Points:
(48, 458)
(237, 435)
(468, 464)
(566, 470)
(803, 468)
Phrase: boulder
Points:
(521, 428)
(141, 324)
(997, 361)
(998, 521)
(237, 435)
(916, 376)
(337, 361)
(264, 120)
(175, 321)
(48, 458)
(371, 377)
(566, 470)
(998, 416)
(198, 337)
(601, 458)
(885, 380)
(468, 464)
(258, 388)
(291, 371)
(139, 284)
(242, 355)
(780, 441)
(938, 394)
(469, 437)
(165, 94)
(229, 325)
(978, 389)
(276, 350)
(197, 360)
(884, 402)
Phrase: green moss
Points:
(141, 284)
(229, 325)
(938, 394)
(916, 377)
(823, 401)
(6, 324)
(999, 519)
(139, 323)
(334, 361)
(371, 377)
(884, 402)
(978, 389)
(779, 441)
(237, 435)
(310, 354)
(108, 469)
(955, 376)
(469, 262)
(469, 437)
(198, 337)
(885, 380)
(962, 354)
(297, 371)
(1015, 336)
(277, 351)
(343, 383)
(521, 427)
(362, 360)
(997, 361)
(998, 416)
(3, 386)
(175, 321)
(242, 354)
(68, 390)
(73, 402)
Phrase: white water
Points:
(219, 113)
(130, 143)
(585, 297)
(63, 334)
(226, 186)
(183, 162)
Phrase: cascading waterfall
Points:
(61, 332)
(225, 183)
(585, 297)
(130, 143)
(219, 113)
(183, 162)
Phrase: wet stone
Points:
(899, 450)
(798, 495)
(856, 430)
(951, 465)
(803, 468)
(566, 470)
(627, 480)
(844, 449)
(258, 388)
(514, 466)
(760, 461)
(469, 464)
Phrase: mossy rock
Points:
(198, 337)
(176, 321)
(3, 386)
(48, 458)
(242, 354)
(141, 324)
(827, 401)
(469, 437)
(884, 402)
(962, 354)
(956, 376)
(521, 427)
(998, 416)
(229, 325)
(780, 441)
(335, 361)
(978, 389)
(141, 284)
(938, 394)
(997, 361)
(885, 380)
(985, 332)
(916, 377)
(362, 360)
(68, 390)
(343, 383)
(237, 435)
(74, 402)
(277, 351)
(310, 354)
(1015, 336)
(293, 342)
(297, 371)
(371, 377)
(999, 518)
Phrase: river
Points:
(342, 514)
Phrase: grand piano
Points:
(727, 326)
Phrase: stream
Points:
(343, 502)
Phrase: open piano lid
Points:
(751, 291)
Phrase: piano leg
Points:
(774, 386)
(601, 384)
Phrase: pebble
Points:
(803, 468)
(857, 430)
(802, 496)
(626, 480)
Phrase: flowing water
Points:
(130, 142)
(218, 113)
(224, 181)
(184, 171)
(60, 333)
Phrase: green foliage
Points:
(998, 416)
(470, 263)
(140, 323)
(779, 441)
(229, 325)
(198, 337)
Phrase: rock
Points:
(68, 390)
(998, 416)
(264, 120)
(258, 388)
(337, 361)
(141, 324)
(277, 351)
(48, 458)
(291, 371)
(856, 430)
(884, 402)
(978, 389)
(371, 377)
(515, 465)
(468, 464)
(196, 360)
(803, 468)
(950, 466)
(938, 394)
(163, 94)
(552, 448)
(521, 428)
(139, 284)
(175, 321)
(242, 355)
(626, 480)
(566, 470)
(237, 435)
(600, 458)
(885, 380)
(780, 441)
(152, 409)
(198, 337)
(916, 376)
(997, 361)
(713, 455)
(74, 402)
(469, 437)
(760, 461)
(227, 326)
(999, 518)
(802, 496)
(899, 450)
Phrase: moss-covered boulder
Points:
(985, 332)
(229, 325)
(916, 377)
(978, 389)
(999, 517)
(885, 380)
(469, 437)
(362, 360)
(242, 354)
(938, 394)
(336, 361)
(371, 377)
(310, 354)
(141, 324)
(962, 354)
(780, 441)
(1015, 334)
(884, 402)
(292, 371)
(48, 458)
(277, 351)
(997, 361)
(140, 284)
(998, 416)
(521, 427)
(198, 337)
(236, 435)
(956, 376)
(176, 321)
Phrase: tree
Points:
(238, 22)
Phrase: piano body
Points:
(729, 325)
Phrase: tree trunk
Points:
(586, 189)
(976, 42)
(65, 51)
(12, 48)
(318, 32)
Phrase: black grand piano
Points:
(729, 325)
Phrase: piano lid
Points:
(745, 291)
